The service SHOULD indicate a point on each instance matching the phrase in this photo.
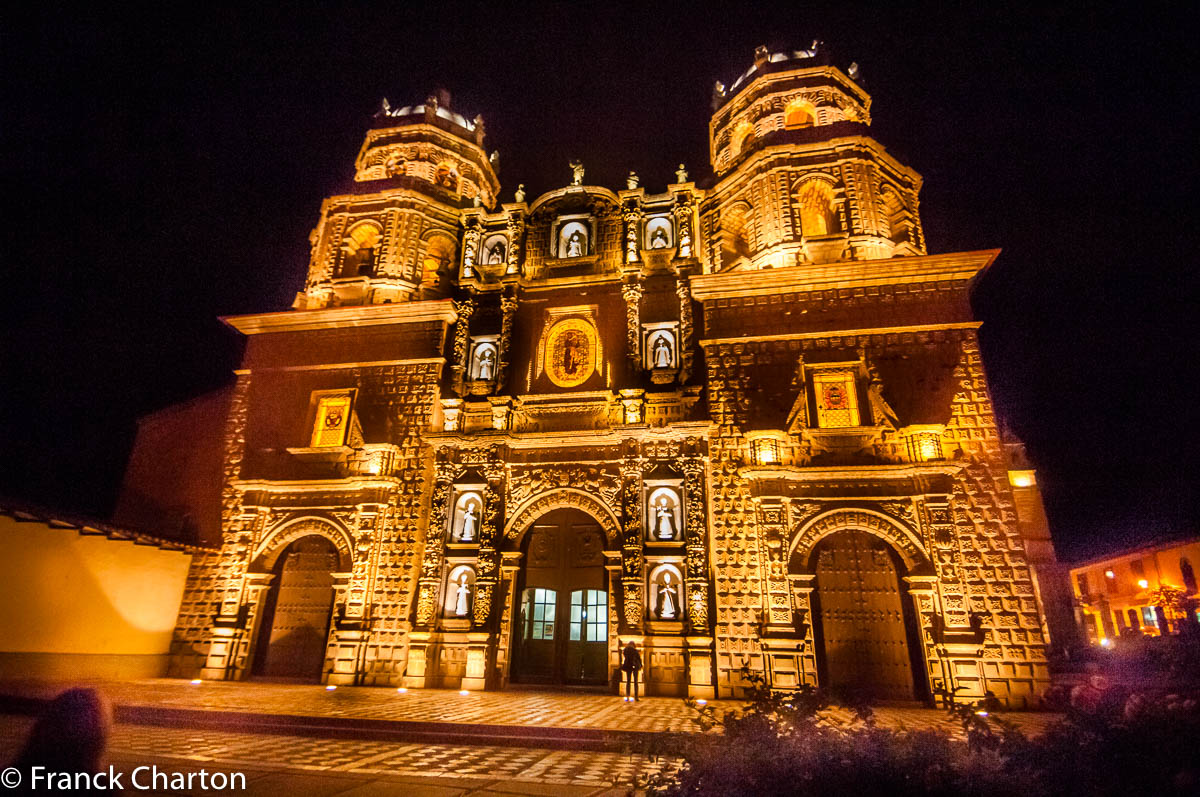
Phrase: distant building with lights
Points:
(743, 422)
(1150, 590)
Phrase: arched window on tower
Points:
(799, 113)
(360, 250)
(817, 216)
(735, 235)
(439, 252)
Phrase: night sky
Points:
(162, 171)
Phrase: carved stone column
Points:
(508, 308)
(462, 331)
(430, 582)
(778, 605)
(696, 544)
(633, 225)
(632, 566)
(470, 247)
(684, 290)
(632, 291)
(487, 571)
(516, 233)
(683, 226)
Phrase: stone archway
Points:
(299, 564)
(561, 588)
(865, 627)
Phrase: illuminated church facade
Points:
(745, 425)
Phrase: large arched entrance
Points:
(561, 623)
(294, 628)
(864, 624)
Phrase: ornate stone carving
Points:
(683, 228)
(470, 248)
(557, 499)
(516, 232)
(508, 308)
(632, 292)
(633, 225)
(881, 526)
(526, 483)
(631, 542)
(435, 548)
(684, 291)
(462, 332)
(696, 545)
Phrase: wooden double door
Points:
(295, 623)
(864, 623)
(560, 631)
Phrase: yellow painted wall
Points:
(86, 599)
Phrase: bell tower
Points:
(799, 178)
(394, 236)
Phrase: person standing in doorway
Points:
(631, 664)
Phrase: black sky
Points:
(164, 170)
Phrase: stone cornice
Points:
(847, 274)
(880, 473)
(341, 317)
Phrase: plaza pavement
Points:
(304, 740)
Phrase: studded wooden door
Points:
(299, 612)
(863, 629)
(563, 603)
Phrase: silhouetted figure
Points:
(71, 735)
(631, 665)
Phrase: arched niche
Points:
(485, 358)
(574, 239)
(666, 592)
(459, 592)
(664, 514)
(659, 233)
(735, 234)
(467, 517)
(439, 253)
(661, 348)
(276, 541)
(495, 250)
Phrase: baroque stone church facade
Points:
(745, 425)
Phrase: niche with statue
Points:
(664, 514)
(666, 593)
(460, 589)
(495, 250)
(467, 517)
(484, 359)
(659, 233)
(573, 238)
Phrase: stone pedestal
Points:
(700, 667)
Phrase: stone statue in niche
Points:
(667, 598)
(661, 351)
(470, 523)
(461, 605)
(496, 253)
(487, 364)
(664, 520)
(575, 245)
(659, 239)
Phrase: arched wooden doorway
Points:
(864, 623)
(561, 623)
(299, 606)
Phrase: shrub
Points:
(790, 743)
